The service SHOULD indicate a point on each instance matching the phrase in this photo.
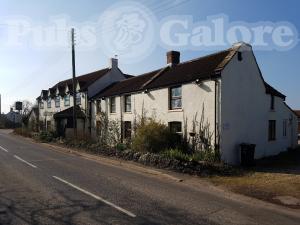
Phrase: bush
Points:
(23, 132)
(153, 137)
(46, 136)
(176, 154)
(179, 154)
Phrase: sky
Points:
(27, 68)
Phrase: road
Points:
(39, 185)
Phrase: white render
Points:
(235, 105)
(242, 109)
(46, 114)
(245, 111)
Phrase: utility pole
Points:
(74, 83)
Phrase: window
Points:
(98, 106)
(57, 102)
(175, 98)
(49, 103)
(98, 127)
(67, 100)
(78, 99)
(272, 130)
(127, 130)
(112, 105)
(42, 105)
(240, 57)
(175, 127)
(49, 128)
(272, 106)
(127, 101)
(284, 128)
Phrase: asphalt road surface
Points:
(41, 186)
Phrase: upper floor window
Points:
(98, 106)
(49, 103)
(127, 102)
(57, 102)
(284, 128)
(67, 100)
(78, 99)
(112, 104)
(175, 98)
(41, 105)
(272, 106)
(272, 130)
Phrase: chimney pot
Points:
(173, 58)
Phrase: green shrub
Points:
(121, 147)
(176, 154)
(179, 154)
(46, 136)
(153, 137)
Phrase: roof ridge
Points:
(201, 57)
(155, 76)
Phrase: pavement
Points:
(43, 185)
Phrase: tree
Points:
(26, 107)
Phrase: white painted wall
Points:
(156, 105)
(245, 111)
(46, 114)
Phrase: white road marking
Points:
(22, 160)
(3, 149)
(96, 197)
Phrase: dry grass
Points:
(275, 176)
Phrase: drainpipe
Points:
(216, 87)
(121, 117)
(217, 110)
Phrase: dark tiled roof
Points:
(133, 84)
(85, 80)
(272, 91)
(67, 113)
(200, 68)
(297, 112)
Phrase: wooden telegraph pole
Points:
(74, 83)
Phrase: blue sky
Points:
(26, 70)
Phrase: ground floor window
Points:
(175, 127)
(48, 125)
(98, 127)
(126, 130)
(272, 130)
(98, 106)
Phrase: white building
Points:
(226, 90)
(56, 103)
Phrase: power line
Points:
(180, 2)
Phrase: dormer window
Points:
(49, 103)
(57, 101)
(78, 99)
(41, 105)
(67, 100)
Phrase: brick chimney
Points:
(113, 63)
(173, 58)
